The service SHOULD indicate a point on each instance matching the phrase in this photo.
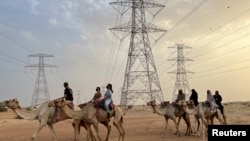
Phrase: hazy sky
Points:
(87, 54)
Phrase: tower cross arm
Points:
(142, 3)
(43, 65)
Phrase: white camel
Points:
(44, 114)
(201, 111)
(93, 116)
(172, 112)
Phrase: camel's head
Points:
(190, 104)
(60, 103)
(183, 104)
(151, 103)
(51, 104)
(12, 104)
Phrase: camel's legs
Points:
(76, 125)
(179, 119)
(89, 132)
(106, 124)
(78, 128)
(188, 123)
(119, 127)
(225, 119)
(166, 127)
(204, 126)
(52, 131)
(95, 124)
(41, 125)
(177, 127)
(198, 121)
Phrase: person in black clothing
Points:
(68, 93)
(194, 97)
(68, 96)
(218, 100)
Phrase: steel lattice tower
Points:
(141, 78)
(41, 91)
(181, 81)
(78, 97)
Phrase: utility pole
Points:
(141, 78)
(78, 97)
(41, 91)
(181, 81)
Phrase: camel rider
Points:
(181, 96)
(194, 97)
(211, 100)
(97, 97)
(68, 96)
(218, 100)
(108, 98)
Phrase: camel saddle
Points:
(101, 105)
(206, 104)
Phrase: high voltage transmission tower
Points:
(181, 81)
(41, 91)
(141, 78)
(78, 97)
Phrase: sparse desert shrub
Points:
(130, 106)
(29, 109)
(3, 109)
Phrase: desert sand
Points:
(140, 124)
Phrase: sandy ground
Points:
(140, 124)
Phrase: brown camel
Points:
(93, 116)
(171, 112)
(44, 114)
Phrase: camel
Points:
(92, 116)
(171, 112)
(209, 115)
(44, 114)
(202, 111)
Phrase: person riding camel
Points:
(180, 97)
(97, 97)
(218, 100)
(108, 98)
(68, 96)
(211, 101)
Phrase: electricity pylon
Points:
(78, 97)
(41, 91)
(141, 78)
(181, 81)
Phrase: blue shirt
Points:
(108, 94)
